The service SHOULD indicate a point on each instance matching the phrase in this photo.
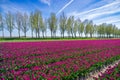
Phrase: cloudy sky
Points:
(99, 11)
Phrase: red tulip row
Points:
(55, 59)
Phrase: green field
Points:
(41, 39)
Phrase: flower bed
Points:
(64, 60)
(112, 73)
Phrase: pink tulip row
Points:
(55, 59)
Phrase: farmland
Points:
(112, 73)
(57, 60)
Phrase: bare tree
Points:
(52, 21)
(31, 23)
(114, 31)
(19, 22)
(10, 23)
(69, 27)
(62, 24)
(36, 22)
(95, 30)
(42, 26)
(25, 26)
(1, 25)
(72, 25)
(91, 27)
(108, 30)
(86, 25)
(75, 27)
(80, 27)
(55, 30)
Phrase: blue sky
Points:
(99, 11)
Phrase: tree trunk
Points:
(107, 36)
(72, 35)
(79, 35)
(25, 34)
(63, 34)
(86, 35)
(19, 33)
(3, 33)
(100, 35)
(36, 34)
(54, 34)
(91, 35)
(75, 35)
(32, 33)
(68, 35)
(10, 34)
(51, 34)
(43, 34)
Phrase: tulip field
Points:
(58, 60)
(112, 73)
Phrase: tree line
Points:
(69, 25)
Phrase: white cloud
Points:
(99, 4)
(106, 9)
(13, 8)
(111, 19)
(46, 2)
(66, 5)
(93, 14)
